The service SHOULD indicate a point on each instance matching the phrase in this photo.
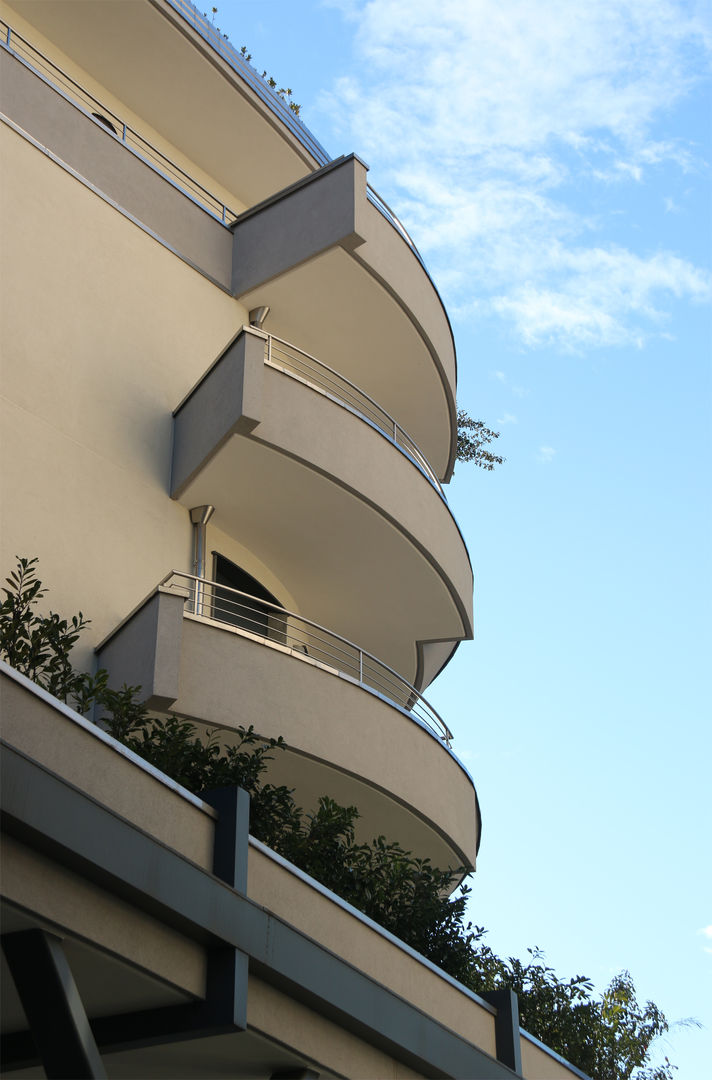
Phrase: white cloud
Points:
(508, 418)
(546, 455)
(706, 931)
(480, 119)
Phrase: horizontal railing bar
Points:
(331, 389)
(332, 371)
(327, 647)
(82, 97)
(316, 372)
(278, 625)
(228, 52)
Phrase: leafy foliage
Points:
(473, 438)
(38, 646)
(608, 1037)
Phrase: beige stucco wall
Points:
(104, 331)
(537, 1064)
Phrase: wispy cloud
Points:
(482, 119)
(546, 455)
(706, 931)
(508, 418)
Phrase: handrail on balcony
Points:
(305, 640)
(293, 361)
(32, 56)
(20, 47)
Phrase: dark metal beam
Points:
(297, 1073)
(49, 996)
(506, 1027)
(232, 835)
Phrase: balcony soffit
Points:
(347, 566)
(186, 93)
(315, 778)
(334, 309)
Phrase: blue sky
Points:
(552, 162)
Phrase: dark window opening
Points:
(245, 611)
(103, 120)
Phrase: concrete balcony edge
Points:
(175, 658)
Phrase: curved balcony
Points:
(293, 361)
(355, 730)
(273, 623)
(345, 281)
(320, 485)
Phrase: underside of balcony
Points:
(344, 282)
(353, 731)
(361, 537)
(174, 80)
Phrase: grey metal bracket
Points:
(45, 985)
(506, 1029)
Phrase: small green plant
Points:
(473, 438)
(39, 646)
(284, 92)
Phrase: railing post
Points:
(123, 135)
(8, 37)
(360, 665)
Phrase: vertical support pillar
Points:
(232, 830)
(199, 516)
(49, 996)
(506, 1028)
(228, 968)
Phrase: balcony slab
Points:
(343, 739)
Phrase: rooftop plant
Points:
(284, 92)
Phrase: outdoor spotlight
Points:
(258, 316)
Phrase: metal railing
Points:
(45, 67)
(306, 640)
(293, 361)
(32, 56)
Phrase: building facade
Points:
(228, 413)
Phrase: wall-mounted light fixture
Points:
(258, 316)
